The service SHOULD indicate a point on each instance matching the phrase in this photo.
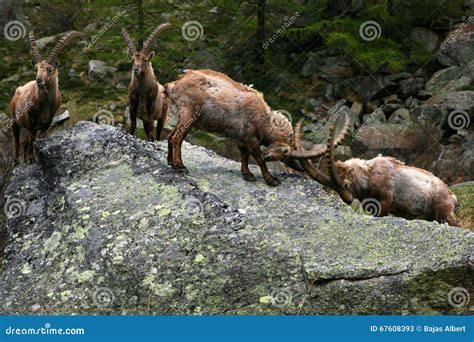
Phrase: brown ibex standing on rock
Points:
(213, 102)
(390, 185)
(34, 104)
(146, 97)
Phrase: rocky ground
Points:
(101, 225)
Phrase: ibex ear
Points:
(33, 64)
(151, 55)
(56, 64)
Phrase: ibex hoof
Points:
(181, 169)
(272, 181)
(248, 177)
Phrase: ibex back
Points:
(213, 102)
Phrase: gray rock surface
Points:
(99, 69)
(425, 37)
(442, 77)
(106, 227)
(366, 88)
(458, 46)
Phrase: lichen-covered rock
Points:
(104, 226)
(442, 77)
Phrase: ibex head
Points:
(287, 145)
(340, 172)
(336, 169)
(141, 59)
(47, 69)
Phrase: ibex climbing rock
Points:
(389, 186)
(213, 102)
(146, 96)
(34, 104)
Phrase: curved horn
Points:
(153, 36)
(320, 149)
(335, 179)
(34, 48)
(306, 163)
(68, 36)
(131, 47)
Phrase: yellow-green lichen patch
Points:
(53, 242)
(85, 276)
(25, 269)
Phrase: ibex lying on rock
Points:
(213, 102)
(146, 96)
(387, 186)
(34, 104)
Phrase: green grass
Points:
(465, 197)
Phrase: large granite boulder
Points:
(103, 225)
(458, 46)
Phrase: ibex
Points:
(146, 96)
(213, 102)
(34, 104)
(388, 186)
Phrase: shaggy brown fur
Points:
(34, 104)
(399, 189)
(213, 102)
(146, 96)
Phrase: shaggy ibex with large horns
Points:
(34, 104)
(146, 97)
(213, 102)
(385, 185)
